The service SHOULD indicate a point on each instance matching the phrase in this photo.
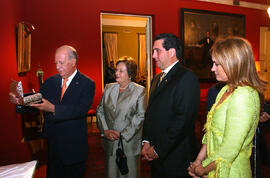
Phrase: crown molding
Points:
(241, 4)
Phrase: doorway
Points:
(265, 58)
(126, 35)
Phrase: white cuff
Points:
(145, 141)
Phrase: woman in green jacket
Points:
(232, 120)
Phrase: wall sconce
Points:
(28, 27)
(268, 11)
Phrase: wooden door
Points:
(265, 58)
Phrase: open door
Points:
(126, 35)
(265, 58)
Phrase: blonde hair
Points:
(236, 57)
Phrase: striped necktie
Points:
(163, 74)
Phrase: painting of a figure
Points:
(199, 30)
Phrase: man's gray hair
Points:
(72, 53)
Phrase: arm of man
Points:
(20, 108)
(77, 107)
(147, 124)
(186, 101)
(77, 110)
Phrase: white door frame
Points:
(148, 36)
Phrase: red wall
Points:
(77, 23)
(11, 148)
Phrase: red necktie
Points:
(64, 87)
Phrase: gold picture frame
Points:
(23, 48)
(197, 26)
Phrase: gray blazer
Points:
(123, 112)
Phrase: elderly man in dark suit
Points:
(67, 98)
(168, 132)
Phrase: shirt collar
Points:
(169, 68)
(70, 78)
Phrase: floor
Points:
(95, 165)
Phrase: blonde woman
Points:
(232, 120)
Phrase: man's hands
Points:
(14, 99)
(148, 152)
(264, 117)
(112, 134)
(44, 106)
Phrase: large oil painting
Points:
(199, 30)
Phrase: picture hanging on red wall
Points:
(23, 48)
(199, 30)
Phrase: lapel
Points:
(175, 73)
(72, 86)
(154, 86)
(114, 94)
(58, 87)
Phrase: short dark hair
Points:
(171, 41)
(131, 66)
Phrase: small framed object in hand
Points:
(32, 99)
(17, 89)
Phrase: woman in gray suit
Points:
(122, 109)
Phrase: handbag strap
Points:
(120, 142)
(255, 128)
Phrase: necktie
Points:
(161, 77)
(64, 87)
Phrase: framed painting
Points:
(199, 30)
(23, 48)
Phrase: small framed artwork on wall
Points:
(23, 48)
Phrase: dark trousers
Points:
(57, 169)
(158, 171)
(66, 171)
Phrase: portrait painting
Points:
(199, 30)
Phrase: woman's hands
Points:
(192, 168)
(200, 171)
(196, 169)
(112, 134)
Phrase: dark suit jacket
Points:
(212, 94)
(169, 119)
(66, 129)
